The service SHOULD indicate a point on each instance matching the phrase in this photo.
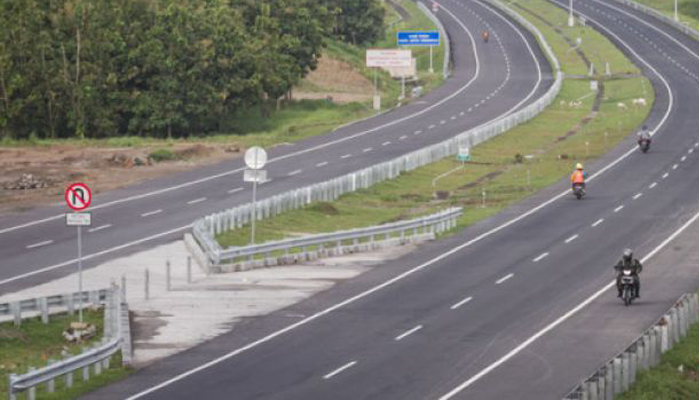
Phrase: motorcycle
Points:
(578, 191)
(644, 145)
(627, 282)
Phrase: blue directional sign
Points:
(426, 38)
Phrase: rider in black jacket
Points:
(628, 262)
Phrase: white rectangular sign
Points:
(255, 175)
(79, 219)
(388, 58)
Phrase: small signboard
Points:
(78, 196)
(388, 58)
(463, 154)
(423, 38)
(79, 219)
(255, 175)
(594, 85)
(255, 157)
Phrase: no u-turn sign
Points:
(78, 196)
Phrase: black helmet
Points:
(627, 254)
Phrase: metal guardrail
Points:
(319, 243)
(617, 375)
(50, 305)
(205, 229)
(116, 337)
(443, 35)
(663, 17)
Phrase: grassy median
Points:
(503, 170)
(675, 378)
(34, 343)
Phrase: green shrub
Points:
(162, 155)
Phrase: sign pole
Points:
(431, 60)
(80, 275)
(255, 213)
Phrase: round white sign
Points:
(255, 157)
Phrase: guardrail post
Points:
(634, 355)
(647, 351)
(609, 381)
(146, 282)
(167, 276)
(31, 392)
(51, 384)
(593, 390)
(123, 286)
(625, 371)
(44, 306)
(654, 346)
(86, 373)
(98, 365)
(189, 269)
(601, 387)
(16, 313)
(69, 379)
(617, 376)
(675, 326)
(664, 333)
(10, 394)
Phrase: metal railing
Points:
(205, 229)
(663, 17)
(46, 306)
(354, 240)
(444, 37)
(117, 336)
(617, 375)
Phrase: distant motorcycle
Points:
(644, 145)
(627, 282)
(578, 191)
(485, 36)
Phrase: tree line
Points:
(160, 68)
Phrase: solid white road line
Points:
(321, 164)
(154, 212)
(541, 256)
(386, 143)
(195, 201)
(505, 278)
(598, 222)
(408, 332)
(99, 228)
(339, 370)
(238, 189)
(636, 196)
(558, 321)
(44, 243)
(346, 156)
(297, 171)
(367, 149)
(461, 303)
(618, 208)
(571, 239)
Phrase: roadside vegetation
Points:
(687, 9)
(676, 377)
(35, 343)
(503, 170)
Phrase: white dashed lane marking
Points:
(321, 164)
(386, 143)
(431, 127)
(653, 184)
(339, 370)
(44, 243)
(195, 201)
(683, 158)
(461, 303)
(346, 156)
(636, 196)
(541, 256)
(234, 190)
(618, 208)
(402, 137)
(154, 212)
(598, 222)
(367, 149)
(408, 332)
(505, 278)
(675, 166)
(99, 228)
(298, 171)
(417, 132)
(571, 239)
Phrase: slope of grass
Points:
(687, 9)
(665, 381)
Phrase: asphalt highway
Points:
(488, 81)
(498, 310)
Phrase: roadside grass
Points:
(297, 119)
(493, 179)
(687, 9)
(665, 381)
(34, 343)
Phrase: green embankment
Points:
(34, 343)
(666, 381)
(687, 9)
(544, 150)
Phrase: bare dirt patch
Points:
(33, 176)
(336, 79)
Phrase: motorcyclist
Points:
(578, 177)
(628, 262)
(643, 135)
(485, 35)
